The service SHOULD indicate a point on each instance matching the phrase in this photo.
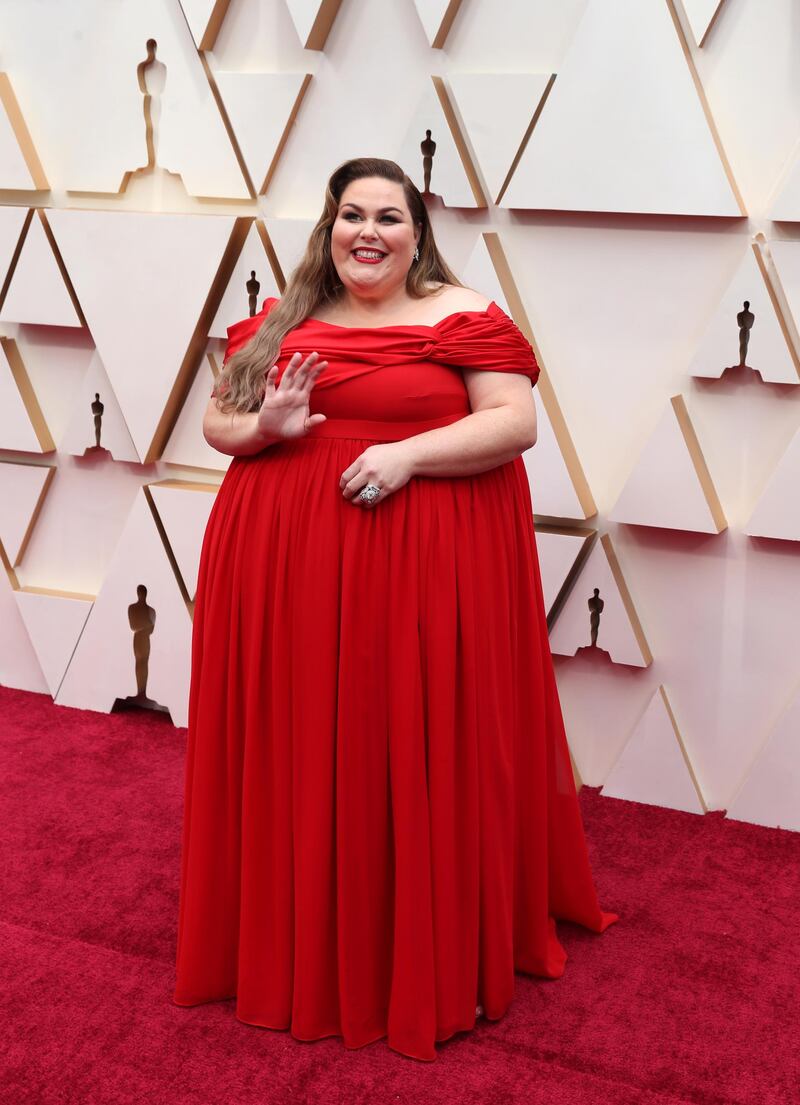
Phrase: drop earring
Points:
(416, 254)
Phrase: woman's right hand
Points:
(284, 409)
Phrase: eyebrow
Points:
(382, 210)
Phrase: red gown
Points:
(381, 823)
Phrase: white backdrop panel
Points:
(93, 131)
(102, 668)
(622, 114)
(142, 281)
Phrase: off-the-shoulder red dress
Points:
(381, 823)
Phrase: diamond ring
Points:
(370, 493)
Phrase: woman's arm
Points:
(284, 411)
(236, 434)
(501, 426)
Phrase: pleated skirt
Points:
(380, 824)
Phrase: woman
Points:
(381, 822)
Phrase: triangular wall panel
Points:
(453, 175)
(12, 222)
(95, 101)
(769, 350)
(786, 207)
(437, 18)
(80, 434)
(255, 257)
(23, 488)
(289, 238)
(484, 98)
(19, 665)
(702, 15)
(560, 552)
(103, 667)
(186, 445)
(313, 20)
(654, 767)
(770, 791)
(184, 508)
(143, 281)
(559, 488)
(777, 512)
(20, 167)
(623, 113)
(37, 293)
(22, 424)
(54, 623)
(785, 275)
(205, 19)
(262, 108)
(191, 139)
(670, 485)
(620, 632)
(553, 491)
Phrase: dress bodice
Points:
(403, 373)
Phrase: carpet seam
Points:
(86, 943)
(668, 1098)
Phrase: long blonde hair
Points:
(315, 282)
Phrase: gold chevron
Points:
(28, 395)
(51, 471)
(701, 95)
(627, 601)
(699, 462)
(461, 145)
(551, 404)
(22, 134)
(197, 344)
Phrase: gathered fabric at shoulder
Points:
(242, 331)
(487, 340)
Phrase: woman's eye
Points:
(350, 215)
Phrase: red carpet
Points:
(691, 998)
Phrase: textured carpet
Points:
(691, 998)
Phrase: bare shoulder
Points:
(461, 299)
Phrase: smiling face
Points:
(373, 238)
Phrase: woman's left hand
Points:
(388, 466)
